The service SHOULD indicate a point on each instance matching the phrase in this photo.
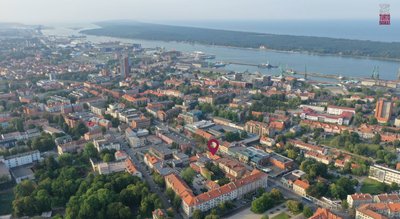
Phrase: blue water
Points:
(346, 29)
(345, 66)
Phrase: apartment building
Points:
(212, 198)
(358, 199)
(384, 174)
(21, 159)
(378, 211)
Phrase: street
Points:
(149, 179)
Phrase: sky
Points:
(76, 11)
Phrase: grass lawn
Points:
(6, 199)
(282, 215)
(372, 186)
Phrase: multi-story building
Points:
(259, 128)
(300, 187)
(212, 198)
(231, 167)
(102, 144)
(356, 200)
(318, 157)
(323, 213)
(124, 67)
(308, 147)
(281, 162)
(384, 174)
(162, 153)
(383, 110)
(386, 198)
(150, 160)
(342, 119)
(378, 211)
(71, 147)
(338, 110)
(131, 168)
(140, 123)
(21, 159)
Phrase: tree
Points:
(25, 188)
(188, 175)
(159, 180)
(18, 124)
(292, 154)
(394, 186)
(307, 212)
(108, 158)
(197, 214)
(170, 193)
(373, 120)
(294, 206)
(376, 139)
(263, 203)
(232, 136)
(276, 195)
(223, 181)
(116, 210)
(176, 203)
(90, 151)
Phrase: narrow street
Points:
(149, 179)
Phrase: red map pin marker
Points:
(213, 145)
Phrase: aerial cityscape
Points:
(201, 116)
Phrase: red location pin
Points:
(213, 145)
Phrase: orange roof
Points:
(323, 213)
(130, 166)
(301, 184)
(277, 125)
(180, 187)
(361, 196)
(371, 210)
(211, 184)
(204, 134)
(151, 159)
(231, 164)
(186, 194)
(388, 197)
(211, 156)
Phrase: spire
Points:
(398, 74)
(305, 72)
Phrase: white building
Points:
(338, 110)
(21, 159)
(103, 144)
(135, 142)
(384, 174)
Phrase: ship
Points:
(219, 64)
(267, 65)
(202, 55)
(291, 71)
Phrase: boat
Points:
(291, 71)
(267, 65)
(202, 55)
(219, 64)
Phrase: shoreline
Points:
(82, 31)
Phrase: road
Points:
(153, 186)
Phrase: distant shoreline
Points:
(167, 33)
